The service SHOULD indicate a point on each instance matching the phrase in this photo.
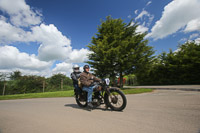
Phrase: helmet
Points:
(86, 66)
(76, 68)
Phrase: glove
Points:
(92, 84)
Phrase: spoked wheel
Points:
(117, 100)
(81, 101)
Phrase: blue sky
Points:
(45, 37)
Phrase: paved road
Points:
(170, 87)
(162, 111)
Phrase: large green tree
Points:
(117, 49)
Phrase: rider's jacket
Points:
(87, 79)
(75, 76)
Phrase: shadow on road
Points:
(73, 106)
(86, 108)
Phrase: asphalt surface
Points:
(162, 111)
(170, 87)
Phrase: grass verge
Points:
(69, 93)
(136, 91)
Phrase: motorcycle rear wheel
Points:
(81, 102)
(116, 100)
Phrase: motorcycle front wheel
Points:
(116, 100)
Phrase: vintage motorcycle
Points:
(103, 94)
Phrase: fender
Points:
(107, 92)
(113, 88)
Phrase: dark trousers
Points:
(77, 90)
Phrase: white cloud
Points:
(53, 44)
(149, 3)
(176, 15)
(78, 56)
(143, 13)
(193, 25)
(197, 40)
(129, 16)
(151, 17)
(193, 36)
(12, 58)
(136, 11)
(146, 14)
(64, 68)
(20, 13)
(141, 29)
(9, 33)
(183, 40)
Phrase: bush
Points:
(35, 84)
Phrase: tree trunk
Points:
(113, 81)
(62, 84)
(43, 85)
(25, 90)
(4, 88)
(121, 80)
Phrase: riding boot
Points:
(90, 105)
(75, 92)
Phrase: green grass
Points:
(39, 95)
(69, 93)
(136, 91)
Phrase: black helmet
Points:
(86, 66)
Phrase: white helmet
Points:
(76, 68)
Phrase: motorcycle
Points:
(103, 94)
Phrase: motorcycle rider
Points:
(75, 75)
(87, 80)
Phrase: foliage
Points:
(131, 79)
(117, 49)
(15, 75)
(19, 84)
(179, 67)
(56, 81)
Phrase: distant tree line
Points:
(15, 83)
(176, 67)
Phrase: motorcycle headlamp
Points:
(107, 80)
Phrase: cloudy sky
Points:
(44, 37)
